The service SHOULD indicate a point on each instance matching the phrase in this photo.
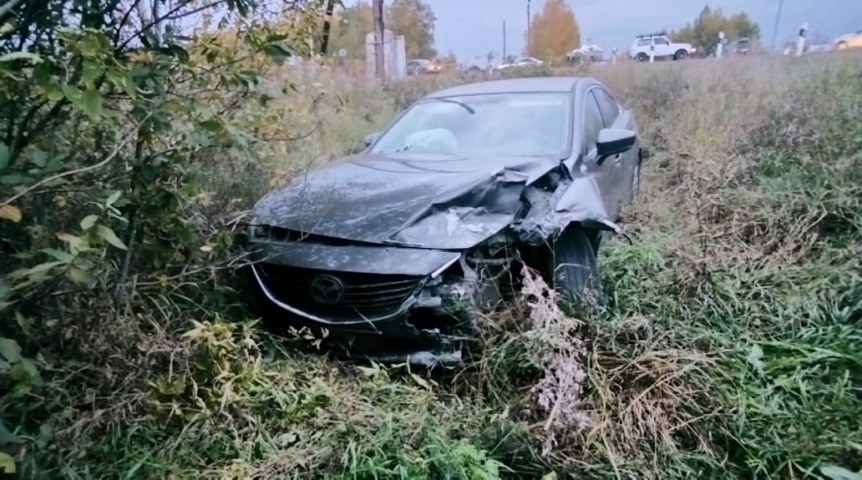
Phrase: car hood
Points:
(440, 202)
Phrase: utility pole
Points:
(327, 21)
(528, 27)
(777, 18)
(379, 65)
(504, 40)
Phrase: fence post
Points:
(720, 47)
(614, 58)
(652, 51)
(800, 42)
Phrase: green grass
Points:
(732, 346)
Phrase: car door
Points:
(623, 164)
(606, 175)
(662, 47)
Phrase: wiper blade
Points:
(456, 102)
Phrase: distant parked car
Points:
(395, 249)
(851, 40)
(661, 46)
(421, 66)
(590, 53)
(743, 46)
(521, 62)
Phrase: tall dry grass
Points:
(730, 348)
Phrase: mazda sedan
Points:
(392, 250)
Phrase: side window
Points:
(662, 41)
(593, 122)
(644, 42)
(608, 106)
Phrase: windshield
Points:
(506, 124)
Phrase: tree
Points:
(350, 27)
(553, 32)
(703, 31)
(683, 35)
(413, 19)
(741, 25)
(112, 114)
(449, 60)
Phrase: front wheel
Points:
(576, 268)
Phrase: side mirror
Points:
(613, 141)
(370, 138)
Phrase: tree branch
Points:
(167, 16)
(77, 171)
(7, 7)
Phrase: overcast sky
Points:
(473, 28)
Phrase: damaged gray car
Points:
(392, 250)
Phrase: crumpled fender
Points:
(578, 202)
(469, 216)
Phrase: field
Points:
(731, 348)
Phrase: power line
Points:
(777, 18)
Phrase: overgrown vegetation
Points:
(731, 346)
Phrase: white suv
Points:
(662, 48)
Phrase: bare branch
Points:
(171, 15)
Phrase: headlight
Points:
(259, 232)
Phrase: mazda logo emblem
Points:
(326, 289)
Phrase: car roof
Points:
(512, 85)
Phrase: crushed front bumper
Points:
(390, 304)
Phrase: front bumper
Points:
(420, 317)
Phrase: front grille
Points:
(365, 295)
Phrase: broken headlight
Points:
(259, 232)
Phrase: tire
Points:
(680, 55)
(642, 57)
(575, 267)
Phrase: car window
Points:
(608, 106)
(644, 42)
(593, 122)
(661, 41)
(507, 124)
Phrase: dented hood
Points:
(430, 201)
